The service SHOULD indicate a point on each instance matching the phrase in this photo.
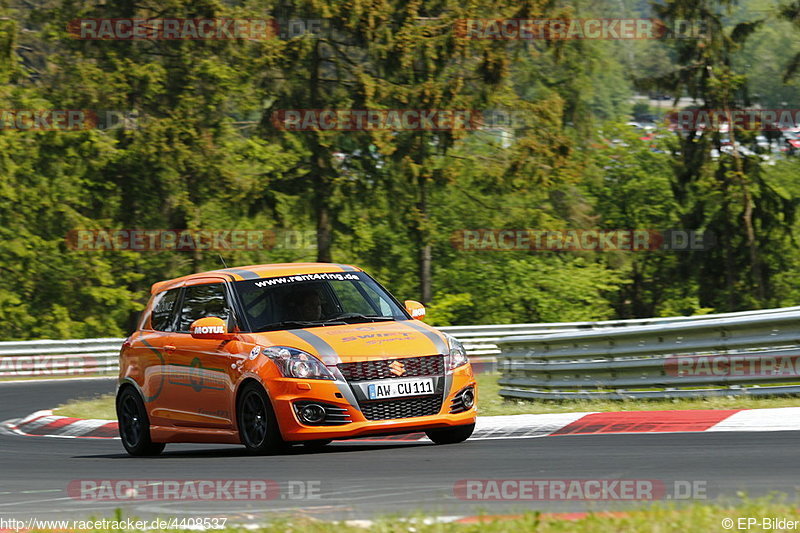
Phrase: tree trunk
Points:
(425, 248)
(324, 232)
(755, 263)
(320, 173)
(425, 281)
(747, 218)
(727, 250)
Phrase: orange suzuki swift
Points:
(300, 353)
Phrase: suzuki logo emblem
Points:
(397, 368)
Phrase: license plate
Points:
(394, 389)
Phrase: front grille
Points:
(432, 365)
(336, 415)
(405, 408)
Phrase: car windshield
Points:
(320, 299)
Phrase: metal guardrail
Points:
(481, 341)
(59, 357)
(100, 356)
(753, 353)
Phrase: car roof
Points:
(240, 273)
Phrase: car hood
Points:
(358, 342)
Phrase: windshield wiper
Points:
(338, 320)
(372, 318)
(297, 324)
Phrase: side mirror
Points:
(415, 309)
(211, 327)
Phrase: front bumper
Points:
(285, 391)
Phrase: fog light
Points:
(312, 413)
(468, 398)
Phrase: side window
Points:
(163, 310)
(378, 300)
(201, 301)
(352, 300)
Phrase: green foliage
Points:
(532, 289)
(204, 154)
(449, 309)
(727, 194)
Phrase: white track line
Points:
(772, 419)
(522, 426)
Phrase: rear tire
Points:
(134, 426)
(258, 426)
(451, 435)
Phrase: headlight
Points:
(457, 355)
(294, 363)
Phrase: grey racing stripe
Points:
(437, 341)
(347, 268)
(245, 274)
(330, 358)
(344, 388)
(325, 350)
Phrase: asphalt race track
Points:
(367, 479)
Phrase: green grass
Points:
(651, 519)
(654, 519)
(490, 403)
(97, 407)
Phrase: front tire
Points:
(258, 426)
(134, 426)
(451, 435)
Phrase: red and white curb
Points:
(46, 424)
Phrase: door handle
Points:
(169, 348)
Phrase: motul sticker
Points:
(206, 330)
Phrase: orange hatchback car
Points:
(300, 353)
